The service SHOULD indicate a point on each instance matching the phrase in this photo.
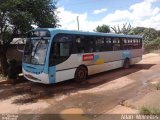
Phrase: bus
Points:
(55, 55)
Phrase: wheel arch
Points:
(82, 65)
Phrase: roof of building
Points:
(18, 41)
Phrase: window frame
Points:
(51, 60)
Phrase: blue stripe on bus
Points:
(36, 69)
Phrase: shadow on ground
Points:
(30, 92)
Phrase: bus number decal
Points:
(88, 57)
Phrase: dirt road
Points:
(101, 94)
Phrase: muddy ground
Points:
(118, 91)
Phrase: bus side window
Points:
(99, 44)
(123, 43)
(108, 44)
(127, 44)
(60, 48)
(88, 44)
(84, 44)
(130, 43)
(55, 50)
(116, 44)
(77, 47)
(135, 44)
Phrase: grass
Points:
(149, 111)
(157, 86)
(2, 77)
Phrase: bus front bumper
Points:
(39, 78)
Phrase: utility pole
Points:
(78, 22)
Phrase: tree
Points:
(137, 31)
(159, 33)
(103, 28)
(124, 30)
(18, 16)
(151, 37)
(149, 34)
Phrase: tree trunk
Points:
(4, 63)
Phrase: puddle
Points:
(72, 111)
(73, 114)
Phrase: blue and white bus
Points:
(54, 55)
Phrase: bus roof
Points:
(55, 30)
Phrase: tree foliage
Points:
(103, 28)
(153, 45)
(18, 16)
(124, 30)
(151, 37)
(137, 30)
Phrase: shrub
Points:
(157, 86)
(149, 111)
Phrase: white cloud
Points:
(100, 11)
(151, 1)
(143, 9)
(118, 15)
(140, 14)
(68, 19)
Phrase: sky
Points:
(91, 13)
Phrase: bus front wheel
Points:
(81, 74)
(126, 64)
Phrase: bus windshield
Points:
(35, 51)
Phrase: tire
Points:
(126, 64)
(81, 74)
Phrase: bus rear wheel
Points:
(126, 64)
(81, 74)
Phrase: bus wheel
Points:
(81, 74)
(126, 63)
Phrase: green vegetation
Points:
(151, 37)
(126, 29)
(103, 28)
(18, 16)
(2, 77)
(149, 111)
(157, 86)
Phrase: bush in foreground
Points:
(149, 111)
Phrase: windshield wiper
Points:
(34, 51)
